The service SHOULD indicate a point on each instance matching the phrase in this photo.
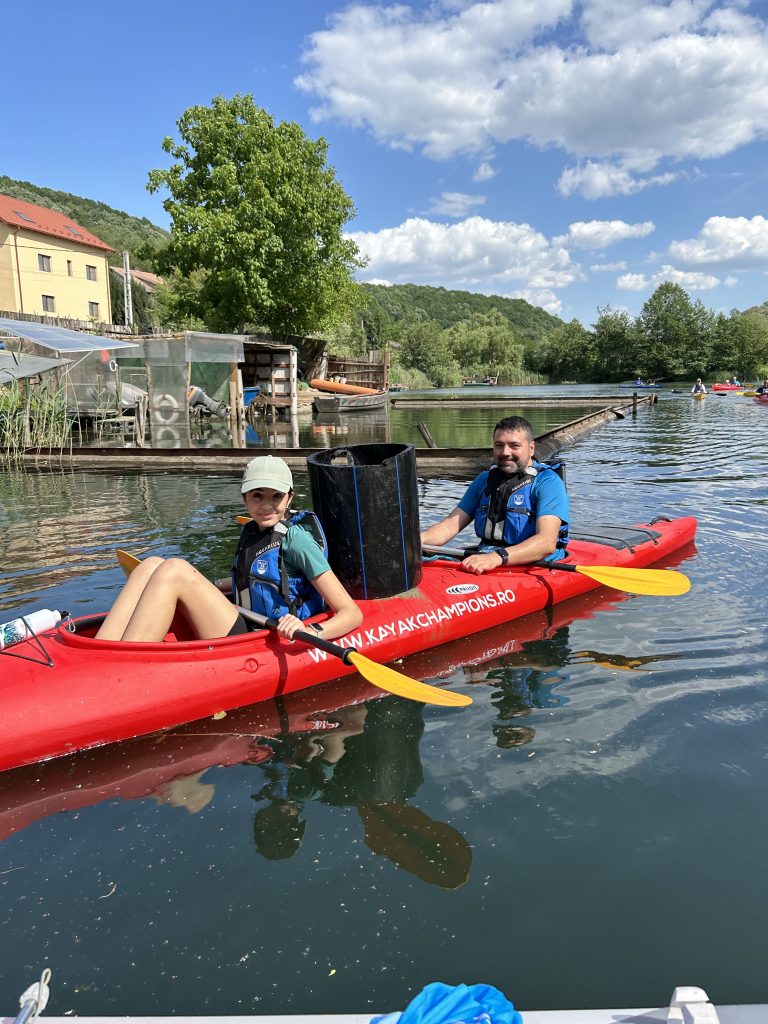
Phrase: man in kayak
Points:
(698, 388)
(763, 389)
(733, 379)
(158, 588)
(519, 506)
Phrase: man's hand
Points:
(479, 564)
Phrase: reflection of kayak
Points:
(79, 692)
(160, 764)
(163, 764)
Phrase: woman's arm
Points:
(346, 614)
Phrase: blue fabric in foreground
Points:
(455, 1004)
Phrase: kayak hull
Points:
(72, 692)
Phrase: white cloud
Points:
(726, 242)
(612, 23)
(690, 280)
(624, 83)
(455, 204)
(598, 180)
(632, 282)
(484, 172)
(621, 265)
(598, 234)
(477, 254)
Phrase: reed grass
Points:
(32, 417)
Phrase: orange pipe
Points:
(341, 389)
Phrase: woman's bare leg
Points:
(176, 583)
(121, 611)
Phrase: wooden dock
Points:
(430, 462)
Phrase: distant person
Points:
(733, 379)
(763, 389)
(293, 580)
(519, 506)
(698, 388)
(639, 382)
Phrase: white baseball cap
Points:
(267, 471)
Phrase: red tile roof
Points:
(19, 214)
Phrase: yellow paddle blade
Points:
(127, 561)
(388, 679)
(661, 582)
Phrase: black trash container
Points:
(366, 497)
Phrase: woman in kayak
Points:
(275, 539)
(698, 388)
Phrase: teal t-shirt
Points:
(302, 556)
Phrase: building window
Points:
(93, 309)
(69, 268)
(49, 304)
(43, 262)
(90, 272)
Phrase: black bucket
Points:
(366, 497)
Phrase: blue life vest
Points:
(505, 515)
(260, 580)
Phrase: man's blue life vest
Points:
(505, 515)
(260, 580)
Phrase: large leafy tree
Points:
(567, 353)
(674, 334)
(424, 346)
(614, 344)
(486, 343)
(258, 212)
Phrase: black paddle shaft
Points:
(313, 639)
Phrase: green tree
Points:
(424, 346)
(258, 208)
(486, 343)
(674, 334)
(567, 353)
(614, 344)
(741, 344)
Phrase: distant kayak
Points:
(633, 384)
(728, 387)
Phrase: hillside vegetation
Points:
(448, 308)
(116, 228)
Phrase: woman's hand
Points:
(287, 626)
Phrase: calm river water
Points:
(590, 832)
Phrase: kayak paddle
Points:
(383, 676)
(660, 582)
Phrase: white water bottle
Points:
(16, 630)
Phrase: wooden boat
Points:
(64, 690)
(350, 403)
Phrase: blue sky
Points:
(573, 154)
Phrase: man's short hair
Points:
(517, 424)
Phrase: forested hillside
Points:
(448, 308)
(118, 229)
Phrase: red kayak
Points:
(763, 399)
(729, 387)
(65, 691)
(168, 766)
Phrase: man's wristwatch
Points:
(503, 555)
(317, 626)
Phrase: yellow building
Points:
(50, 265)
